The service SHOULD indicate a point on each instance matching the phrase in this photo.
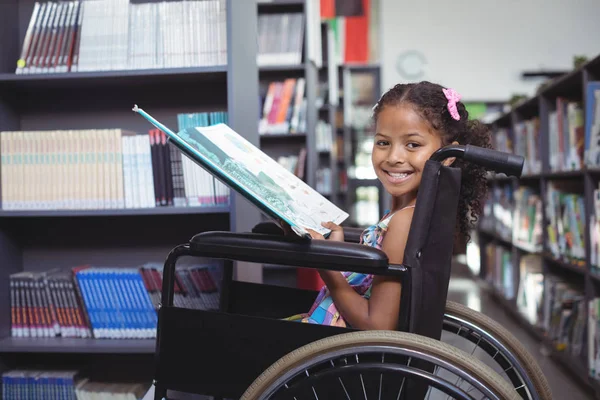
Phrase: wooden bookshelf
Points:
(577, 271)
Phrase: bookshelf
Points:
(537, 239)
(360, 89)
(39, 239)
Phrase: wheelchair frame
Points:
(241, 340)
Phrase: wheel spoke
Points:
(344, 387)
(403, 379)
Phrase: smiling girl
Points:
(412, 122)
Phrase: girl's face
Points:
(403, 143)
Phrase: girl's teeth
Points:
(398, 175)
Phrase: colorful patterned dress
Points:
(323, 310)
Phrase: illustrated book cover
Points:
(246, 169)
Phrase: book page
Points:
(281, 192)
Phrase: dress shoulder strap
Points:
(385, 221)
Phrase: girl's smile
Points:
(397, 177)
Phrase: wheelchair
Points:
(246, 350)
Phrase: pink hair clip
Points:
(453, 97)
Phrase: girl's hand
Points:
(337, 232)
(287, 229)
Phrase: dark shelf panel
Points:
(528, 108)
(278, 6)
(74, 345)
(564, 174)
(504, 120)
(497, 237)
(114, 212)
(281, 72)
(569, 85)
(564, 264)
(141, 76)
(282, 136)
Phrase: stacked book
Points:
(104, 169)
(101, 35)
(65, 385)
(104, 302)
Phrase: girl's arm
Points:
(381, 311)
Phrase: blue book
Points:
(263, 181)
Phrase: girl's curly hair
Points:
(429, 101)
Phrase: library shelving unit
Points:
(538, 236)
(293, 64)
(41, 239)
(360, 89)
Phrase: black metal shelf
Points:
(75, 345)
(282, 136)
(564, 264)
(128, 77)
(114, 212)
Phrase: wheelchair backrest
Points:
(428, 251)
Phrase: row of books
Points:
(497, 213)
(565, 213)
(104, 169)
(554, 306)
(524, 140)
(196, 186)
(104, 302)
(294, 163)
(120, 35)
(593, 338)
(500, 271)
(284, 107)
(20, 384)
(280, 38)
(324, 184)
(592, 124)
(323, 137)
(595, 231)
(515, 216)
(566, 135)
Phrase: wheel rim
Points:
(499, 353)
(283, 382)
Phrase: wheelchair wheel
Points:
(378, 365)
(503, 348)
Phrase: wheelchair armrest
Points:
(276, 249)
(351, 235)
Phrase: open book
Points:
(246, 169)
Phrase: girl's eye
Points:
(413, 145)
(382, 143)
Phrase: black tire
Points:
(508, 340)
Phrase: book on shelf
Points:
(592, 124)
(72, 36)
(239, 164)
(102, 169)
(566, 135)
(33, 383)
(284, 107)
(280, 38)
(105, 302)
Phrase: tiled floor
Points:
(466, 291)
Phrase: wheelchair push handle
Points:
(493, 160)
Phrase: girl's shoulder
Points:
(374, 234)
(385, 221)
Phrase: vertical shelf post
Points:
(242, 106)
